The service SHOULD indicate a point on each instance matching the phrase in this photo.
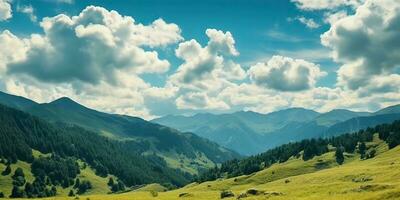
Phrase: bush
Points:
(226, 194)
(6, 171)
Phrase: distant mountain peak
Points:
(66, 102)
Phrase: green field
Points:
(318, 178)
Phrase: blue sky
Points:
(280, 56)
(261, 27)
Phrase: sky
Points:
(151, 58)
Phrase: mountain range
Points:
(250, 132)
(186, 151)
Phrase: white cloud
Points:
(310, 23)
(95, 58)
(286, 74)
(366, 43)
(333, 17)
(28, 10)
(5, 10)
(203, 67)
(325, 4)
(92, 46)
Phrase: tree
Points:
(362, 148)
(339, 155)
(121, 185)
(16, 192)
(77, 183)
(6, 171)
(29, 190)
(1, 195)
(19, 172)
(71, 193)
(53, 191)
(110, 182)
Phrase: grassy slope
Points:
(319, 178)
(99, 183)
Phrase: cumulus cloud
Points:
(95, 58)
(325, 4)
(7, 55)
(366, 43)
(205, 71)
(204, 66)
(286, 74)
(5, 10)
(90, 47)
(29, 11)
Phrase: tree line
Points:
(346, 143)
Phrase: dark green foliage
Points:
(6, 171)
(77, 183)
(18, 177)
(84, 186)
(339, 155)
(371, 154)
(110, 182)
(71, 193)
(16, 192)
(58, 170)
(18, 172)
(1, 195)
(362, 148)
(116, 186)
(20, 132)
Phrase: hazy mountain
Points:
(251, 132)
(242, 131)
(193, 151)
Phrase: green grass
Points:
(6, 181)
(316, 179)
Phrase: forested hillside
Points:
(308, 149)
(185, 151)
(21, 132)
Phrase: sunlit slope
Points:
(319, 178)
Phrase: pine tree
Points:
(6, 171)
(110, 182)
(77, 183)
(18, 172)
(71, 193)
(16, 192)
(362, 148)
(339, 155)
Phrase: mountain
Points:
(53, 152)
(389, 110)
(242, 131)
(186, 151)
(250, 133)
(17, 102)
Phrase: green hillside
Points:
(165, 142)
(375, 178)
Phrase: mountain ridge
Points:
(195, 152)
(279, 127)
